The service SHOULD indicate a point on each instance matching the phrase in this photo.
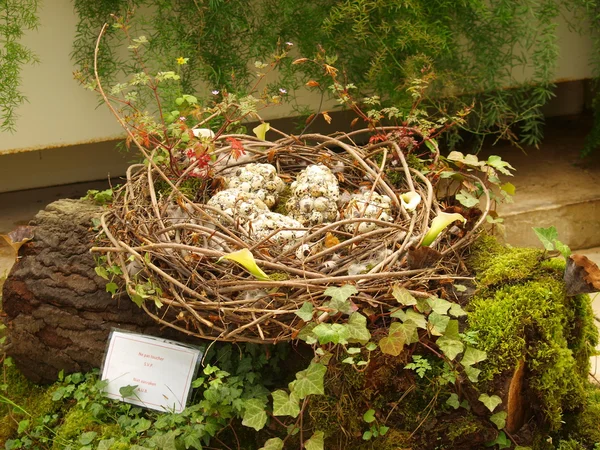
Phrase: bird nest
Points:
(171, 246)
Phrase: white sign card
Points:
(162, 370)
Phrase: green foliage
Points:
(17, 17)
(549, 239)
(101, 198)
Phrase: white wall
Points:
(60, 114)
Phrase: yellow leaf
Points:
(261, 130)
(245, 258)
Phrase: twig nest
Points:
(260, 179)
(369, 205)
(314, 196)
(238, 204)
(281, 230)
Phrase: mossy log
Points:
(56, 308)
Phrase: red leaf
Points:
(237, 149)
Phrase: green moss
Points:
(496, 264)
(35, 400)
(521, 312)
(76, 422)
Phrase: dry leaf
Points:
(300, 60)
(331, 240)
(18, 237)
(326, 116)
(312, 83)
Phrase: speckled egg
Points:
(314, 196)
(264, 224)
(238, 204)
(369, 205)
(260, 179)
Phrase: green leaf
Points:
(501, 166)
(472, 373)
(431, 144)
(411, 315)
(398, 336)
(472, 356)
(499, 419)
(87, 438)
(106, 444)
(509, 188)
(348, 360)
(341, 293)
(101, 272)
(127, 391)
(254, 415)
(336, 333)
(501, 441)
(316, 441)
(357, 329)
(273, 444)
(371, 346)
(309, 381)
(453, 401)
(562, 248)
(439, 305)
(383, 430)
(367, 435)
(369, 416)
(112, 288)
(353, 350)
(245, 258)
(142, 425)
(284, 404)
(23, 425)
(547, 236)
(165, 441)
(437, 323)
(490, 402)
(450, 347)
(466, 199)
(456, 310)
(403, 296)
(305, 312)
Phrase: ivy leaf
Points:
(335, 333)
(165, 441)
(255, 415)
(245, 258)
(101, 272)
(411, 316)
(564, 249)
(472, 373)
(273, 444)
(106, 444)
(369, 416)
(438, 323)
(23, 425)
(284, 404)
(453, 401)
(112, 288)
(501, 166)
(316, 441)
(450, 347)
(357, 329)
(490, 402)
(341, 293)
(305, 312)
(403, 296)
(466, 199)
(499, 419)
(127, 391)
(456, 310)
(501, 441)
(399, 334)
(87, 438)
(473, 356)
(547, 236)
(309, 381)
(509, 188)
(306, 333)
(439, 305)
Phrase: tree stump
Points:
(57, 311)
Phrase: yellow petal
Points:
(245, 258)
(261, 130)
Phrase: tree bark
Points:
(57, 311)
